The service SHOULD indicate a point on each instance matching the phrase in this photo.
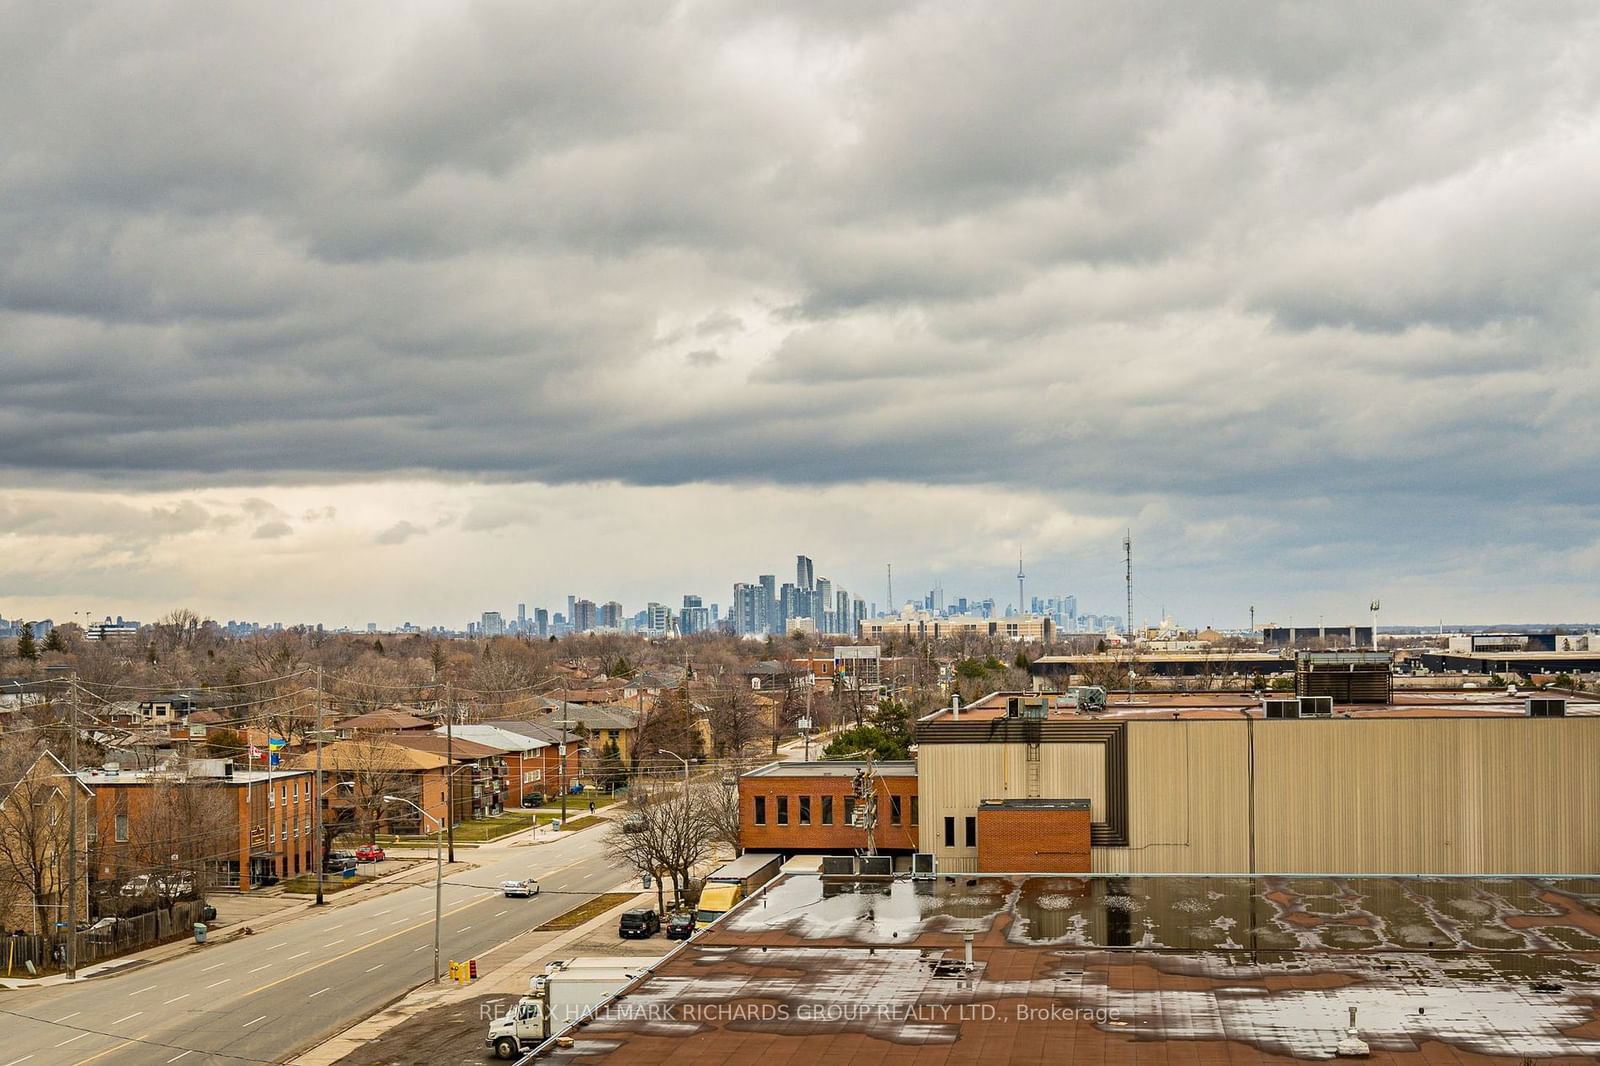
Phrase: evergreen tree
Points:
(26, 649)
(53, 641)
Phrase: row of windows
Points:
(971, 828)
(803, 810)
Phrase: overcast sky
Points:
(400, 311)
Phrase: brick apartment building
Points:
(231, 827)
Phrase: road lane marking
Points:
(464, 928)
(302, 955)
(253, 1021)
(219, 984)
(14, 1062)
(258, 969)
(419, 947)
(70, 1039)
(499, 913)
(146, 988)
(334, 943)
(129, 1018)
(175, 1058)
(381, 913)
(377, 967)
(335, 928)
(218, 966)
(175, 999)
(113, 1047)
(318, 992)
(63, 1018)
(355, 950)
(400, 921)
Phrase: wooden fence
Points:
(125, 935)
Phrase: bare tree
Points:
(179, 832)
(664, 832)
(736, 718)
(34, 839)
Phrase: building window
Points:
(783, 810)
(894, 810)
(805, 810)
(972, 832)
(122, 828)
(827, 810)
(914, 810)
(849, 810)
(761, 810)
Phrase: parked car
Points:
(526, 887)
(369, 853)
(639, 925)
(533, 799)
(336, 862)
(680, 926)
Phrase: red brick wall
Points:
(816, 836)
(1033, 841)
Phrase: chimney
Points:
(955, 708)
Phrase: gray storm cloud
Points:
(1316, 264)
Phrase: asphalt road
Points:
(267, 997)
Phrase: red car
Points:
(369, 853)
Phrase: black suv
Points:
(639, 925)
(680, 926)
(533, 799)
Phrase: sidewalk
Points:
(506, 971)
(258, 911)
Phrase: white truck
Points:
(558, 997)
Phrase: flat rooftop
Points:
(833, 768)
(1169, 970)
(1451, 703)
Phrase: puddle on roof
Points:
(1204, 914)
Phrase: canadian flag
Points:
(255, 752)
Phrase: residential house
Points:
(387, 720)
(35, 840)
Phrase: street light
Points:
(685, 762)
(322, 859)
(438, 876)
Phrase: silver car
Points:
(526, 887)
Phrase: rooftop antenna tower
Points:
(1374, 609)
(892, 610)
(1022, 605)
(1252, 618)
(1127, 567)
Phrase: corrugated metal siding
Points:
(1440, 795)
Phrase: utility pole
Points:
(321, 859)
(1127, 558)
(450, 769)
(561, 755)
(72, 835)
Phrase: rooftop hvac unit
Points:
(1013, 707)
(1547, 707)
(1281, 708)
(1088, 699)
(1316, 706)
(876, 865)
(839, 865)
(922, 865)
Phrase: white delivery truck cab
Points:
(558, 997)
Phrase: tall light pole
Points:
(438, 875)
(685, 762)
(72, 839)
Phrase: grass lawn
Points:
(306, 884)
(479, 830)
(574, 824)
(580, 914)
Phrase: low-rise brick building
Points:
(811, 807)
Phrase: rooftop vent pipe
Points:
(955, 708)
